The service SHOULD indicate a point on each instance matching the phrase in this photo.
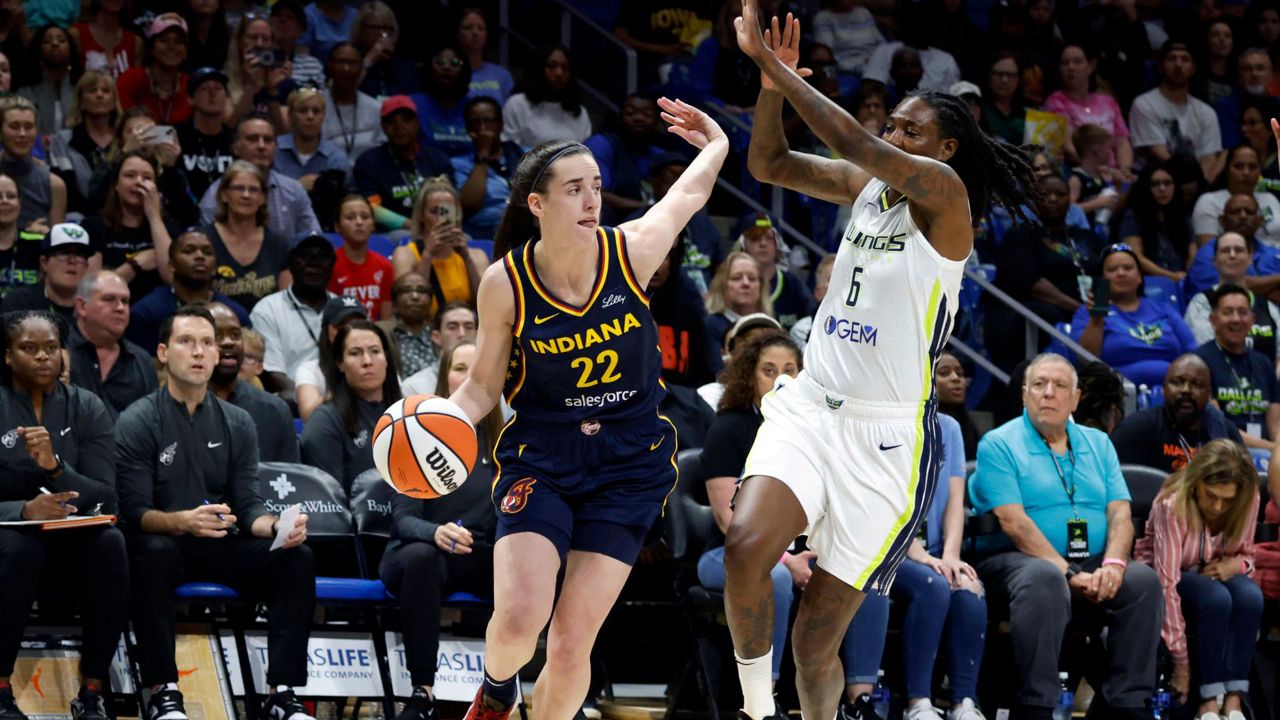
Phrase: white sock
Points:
(756, 678)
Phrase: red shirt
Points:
(134, 87)
(369, 282)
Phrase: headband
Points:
(571, 148)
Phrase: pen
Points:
(230, 528)
(45, 490)
(454, 545)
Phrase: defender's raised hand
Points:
(785, 46)
(694, 126)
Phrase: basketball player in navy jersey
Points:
(848, 452)
(586, 463)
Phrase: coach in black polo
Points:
(187, 470)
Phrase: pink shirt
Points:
(1097, 109)
(1171, 547)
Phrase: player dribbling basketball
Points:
(848, 451)
(587, 462)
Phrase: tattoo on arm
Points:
(771, 160)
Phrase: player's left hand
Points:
(1106, 582)
(297, 534)
(784, 42)
(694, 126)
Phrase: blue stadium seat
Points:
(340, 589)
(382, 245)
(485, 245)
(206, 592)
(1162, 288)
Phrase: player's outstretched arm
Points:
(770, 159)
(495, 306)
(931, 185)
(650, 236)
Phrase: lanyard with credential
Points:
(1069, 489)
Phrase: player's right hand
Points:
(203, 520)
(51, 506)
(785, 45)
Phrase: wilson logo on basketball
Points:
(518, 496)
(437, 462)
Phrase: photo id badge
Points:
(1077, 539)
(1254, 429)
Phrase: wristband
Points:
(1244, 566)
(784, 557)
(1115, 561)
(137, 268)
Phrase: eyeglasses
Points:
(69, 256)
(447, 62)
(245, 189)
(252, 358)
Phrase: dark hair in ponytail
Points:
(532, 175)
(991, 171)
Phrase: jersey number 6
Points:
(855, 288)
(607, 358)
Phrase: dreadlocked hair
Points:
(991, 171)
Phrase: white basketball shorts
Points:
(864, 473)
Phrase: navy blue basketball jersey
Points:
(573, 364)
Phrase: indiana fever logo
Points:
(518, 496)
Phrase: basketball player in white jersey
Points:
(848, 452)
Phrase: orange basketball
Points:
(424, 446)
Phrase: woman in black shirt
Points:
(362, 381)
(56, 449)
(132, 225)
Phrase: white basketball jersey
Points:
(889, 308)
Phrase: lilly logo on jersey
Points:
(852, 330)
(580, 341)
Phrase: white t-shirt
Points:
(1191, 128)
(940, 68)
(527, 124)
(1205, 218)
(852, 36)
(422, 382)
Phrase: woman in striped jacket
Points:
(1199, 540)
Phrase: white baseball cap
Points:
(964, 87)
(66, 236)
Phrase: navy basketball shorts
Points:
(593, 486)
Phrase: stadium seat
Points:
(1161, 288)
(1144, 484)
(485, 245)
(330, 528)
(689, 528)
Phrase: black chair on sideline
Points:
(1144, 484)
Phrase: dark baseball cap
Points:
(313, 240)
(667, 159)
(202, 75)
(340, 308)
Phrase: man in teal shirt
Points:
(1057, 490)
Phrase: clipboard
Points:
(66, 523)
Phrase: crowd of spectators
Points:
(217, 218)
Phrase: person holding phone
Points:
(255, 71)
(442, 545)
(438, 247)
(1136, 335)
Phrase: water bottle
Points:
(1065, 699)
(1102, 216)
(880, 696)
(1161, 701)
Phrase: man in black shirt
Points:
(205, 139)
(102, 361)
(277, 441)
(1244, 380)
(1168, 436)
(64, 259)
(187, 472)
